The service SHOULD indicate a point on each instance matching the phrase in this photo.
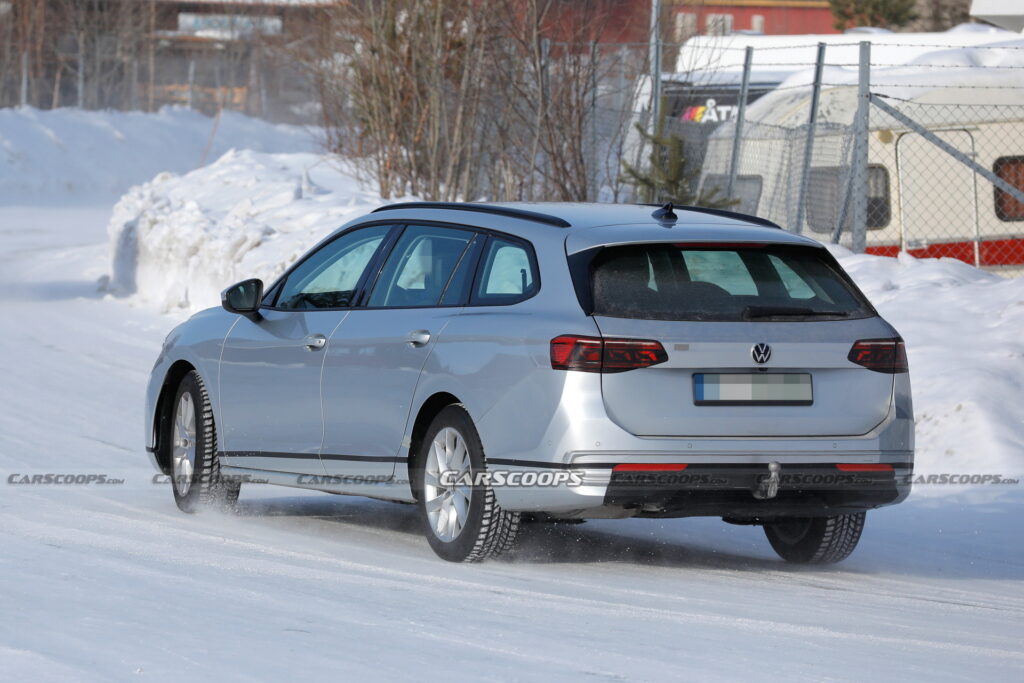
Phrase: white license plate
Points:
(752, 389)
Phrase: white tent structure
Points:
(920, 198)
(1008, 14)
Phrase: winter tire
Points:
(192, 442)
(816, 540)
(462, 522)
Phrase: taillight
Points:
(863, 467)
(594, 354)
(880, 355)
(650, 467)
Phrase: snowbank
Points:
(179, 240)
(964, 330)
(75, 156)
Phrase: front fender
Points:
(194, 344)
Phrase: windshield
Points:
(722, 282)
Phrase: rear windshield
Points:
(722, 282)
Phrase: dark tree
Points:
(879, 13)
(668, 176)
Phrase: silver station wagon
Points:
(502, 363)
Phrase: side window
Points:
(747, 190)
(457, 292)
(723, 268)
(508, 274)
(328, 278)
(1010, 169)
(419, 267)
(825, 187)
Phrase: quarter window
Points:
(328, 278)
(508, 274)
(419, 267)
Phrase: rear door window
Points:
(727, 283)
(419, 267)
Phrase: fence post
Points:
(594, 184)
(655, 59)
(24, 78)
(133, 90)
(80, 80)
(812, 120)
(737, 140)
(859, 180)
(191, 82)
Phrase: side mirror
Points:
(244, 299)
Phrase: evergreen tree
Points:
(878, 13)
(667, 176)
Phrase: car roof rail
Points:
(725, 213)
(510, 212)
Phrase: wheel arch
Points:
(162, 414)
(427, 412)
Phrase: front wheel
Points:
(195, 466)
(461, 518)
(816, 540)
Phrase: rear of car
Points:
(742, 376)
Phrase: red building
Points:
(628, 21)
(771, 17)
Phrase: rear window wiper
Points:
(753, 312)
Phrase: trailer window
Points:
(825, 193)
(747, 190)
(1010, 169)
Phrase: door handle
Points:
(314, 342)
(418, 338)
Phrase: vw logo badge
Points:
(761, 353)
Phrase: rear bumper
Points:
(689, 485)
(745, 492)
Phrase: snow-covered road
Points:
(101, 582)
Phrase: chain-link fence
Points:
(954, 173)
(925, 157)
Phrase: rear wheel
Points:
(816, 540)
(462, 521)
(195, 467)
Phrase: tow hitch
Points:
(769, 486)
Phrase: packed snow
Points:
(110, 581)
(71, 156)
(177, 240)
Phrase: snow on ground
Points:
(76, 156)
(964, 330)
(101, 582)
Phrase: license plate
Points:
(752, 389)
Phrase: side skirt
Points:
(392, 489)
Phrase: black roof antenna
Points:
(665, 213)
